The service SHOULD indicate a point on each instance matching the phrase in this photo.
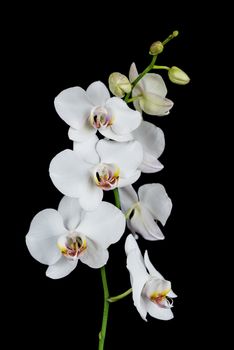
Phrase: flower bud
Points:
(177, 76)
(119, 84)
(175, 33)
(156, 48)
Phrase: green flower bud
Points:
(177, 76)
(156, 48)
(175, 33)
(119, 84)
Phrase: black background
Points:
(51, 51)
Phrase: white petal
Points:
(133, 74)
(150, 267)
(98, 93)
(137, 91)
(153, 104)
(71, 211)
(155, 198)
(150, 164)
(69, 173)
(95, 255)
(62, 268)
(154, 273)
(131, 245)
(125, 119)
(171, 294)
(143, 223)
(127, 155)
(91, 195)
(126, 181)
(85, 132)
(155, 284)
(110, 134)
(45, 251)
(138, 273)
(73, 106)
(158, 312)
(104, 225)
(87, 150)
(128, 197)
(154, 83)
(42, 237)
(151, 138)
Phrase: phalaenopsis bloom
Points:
(112, 146)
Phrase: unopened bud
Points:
(156, 48)
(175, 33)
(119, 84)
(177, 76)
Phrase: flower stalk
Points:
(151, 65)
(102, 334)
(140, 76)
(120, 296)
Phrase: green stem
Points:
(133, 98)
(140, 76)
(120, 296)
(171, 36)
(117, 200)
(161, 67)
(151, 65)
(102, 333)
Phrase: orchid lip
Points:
(156, 290)
(72, 245)
(100, 118)
(106, 176)
(161, 299)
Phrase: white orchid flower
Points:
(94, 109)
(150, 291)
(94, 166)
(152, 203)
(151, 90)
(153, 142)
(61, 238)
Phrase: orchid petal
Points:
(155, 198)
(95, 256)
(73, 106)
(151, 138)
(104, 225)
(85, 132)
(98, 93)
(125, 119)
(157, 311)
(71, 212)
(87, 150)
(69, 173)
(110, 134)
(143, 223)
(128, 156)
(43, 234)
(138, 274)
(61, 268)
(128, 197)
